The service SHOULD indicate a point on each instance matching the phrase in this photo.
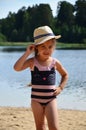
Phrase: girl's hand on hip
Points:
(57, 91)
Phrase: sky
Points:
(14, 5)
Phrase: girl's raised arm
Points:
(22, 63)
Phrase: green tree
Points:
(2, 38)
(44, 15)
(26, 26)
(39, 16)
(80, 16)
(7, 25)
(19, 18)
(65, 14)
(14, 35)
(32, 20)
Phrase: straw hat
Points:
(43, 34)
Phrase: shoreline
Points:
(21, 118)
(10, 47)
(22, 48)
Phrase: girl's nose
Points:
(47, 49)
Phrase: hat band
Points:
(43, 35)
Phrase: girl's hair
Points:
(53, 42)
(36, 51)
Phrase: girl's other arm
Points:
(64, 77)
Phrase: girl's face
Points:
(46, 49)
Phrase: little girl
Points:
(43, 69)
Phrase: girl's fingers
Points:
(31, 48)
(57, 91)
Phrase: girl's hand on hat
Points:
(30, 48)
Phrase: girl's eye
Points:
(50, 47)
(42, 46)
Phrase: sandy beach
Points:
(16, 118)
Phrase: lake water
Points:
(13, 85)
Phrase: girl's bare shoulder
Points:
(58, 63)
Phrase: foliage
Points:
(2, 38)
(70, 22)
(80, 8)
(65, 13)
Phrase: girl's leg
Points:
(52, 115)
(38, 112)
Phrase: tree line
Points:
(70, 22)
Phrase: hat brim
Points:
(48, 38)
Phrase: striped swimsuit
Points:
(43, 82)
